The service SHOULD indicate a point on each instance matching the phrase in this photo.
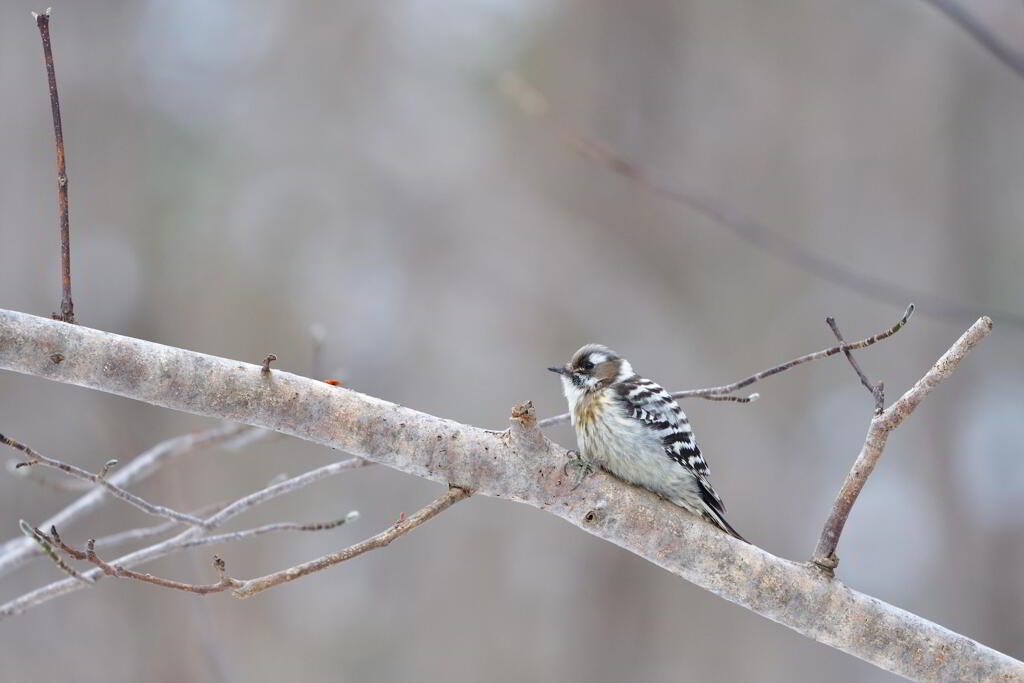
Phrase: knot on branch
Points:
(525, 414)
(524, 429)
(596, 514)
(826, 564)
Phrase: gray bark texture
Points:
(517, 464)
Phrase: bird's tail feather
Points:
(718, 520)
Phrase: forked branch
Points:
(34, 458)
(403, 526)
(191, 537)
(246, 588)
(878, 433)
(19, 550)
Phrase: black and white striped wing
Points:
(649, 403)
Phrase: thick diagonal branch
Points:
(518, 464)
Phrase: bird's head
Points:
(591, 368)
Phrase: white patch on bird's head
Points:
(625, 371)
(590, 355)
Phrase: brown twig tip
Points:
(46, 544)
(266, 363)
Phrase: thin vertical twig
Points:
(67, 308)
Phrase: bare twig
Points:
(1007, 54)
(715, 393)
(120, 571)
(279, 489)
(244, 589)
(19, 550)
(878, 433)
(534, 103)
(18, 469)
(193, 536)
(877, 390)
(518, 464)
(384, 538)
(271, 528)
(142, 533)
(34, 458)
(735, 399)
(151, 531)
(67, 309)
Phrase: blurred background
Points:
(243, 171)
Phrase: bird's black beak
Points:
(559, 369)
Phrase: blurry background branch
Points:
(519, 464)
(765, 238)
(1000, 49)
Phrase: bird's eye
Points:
(586, 365)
